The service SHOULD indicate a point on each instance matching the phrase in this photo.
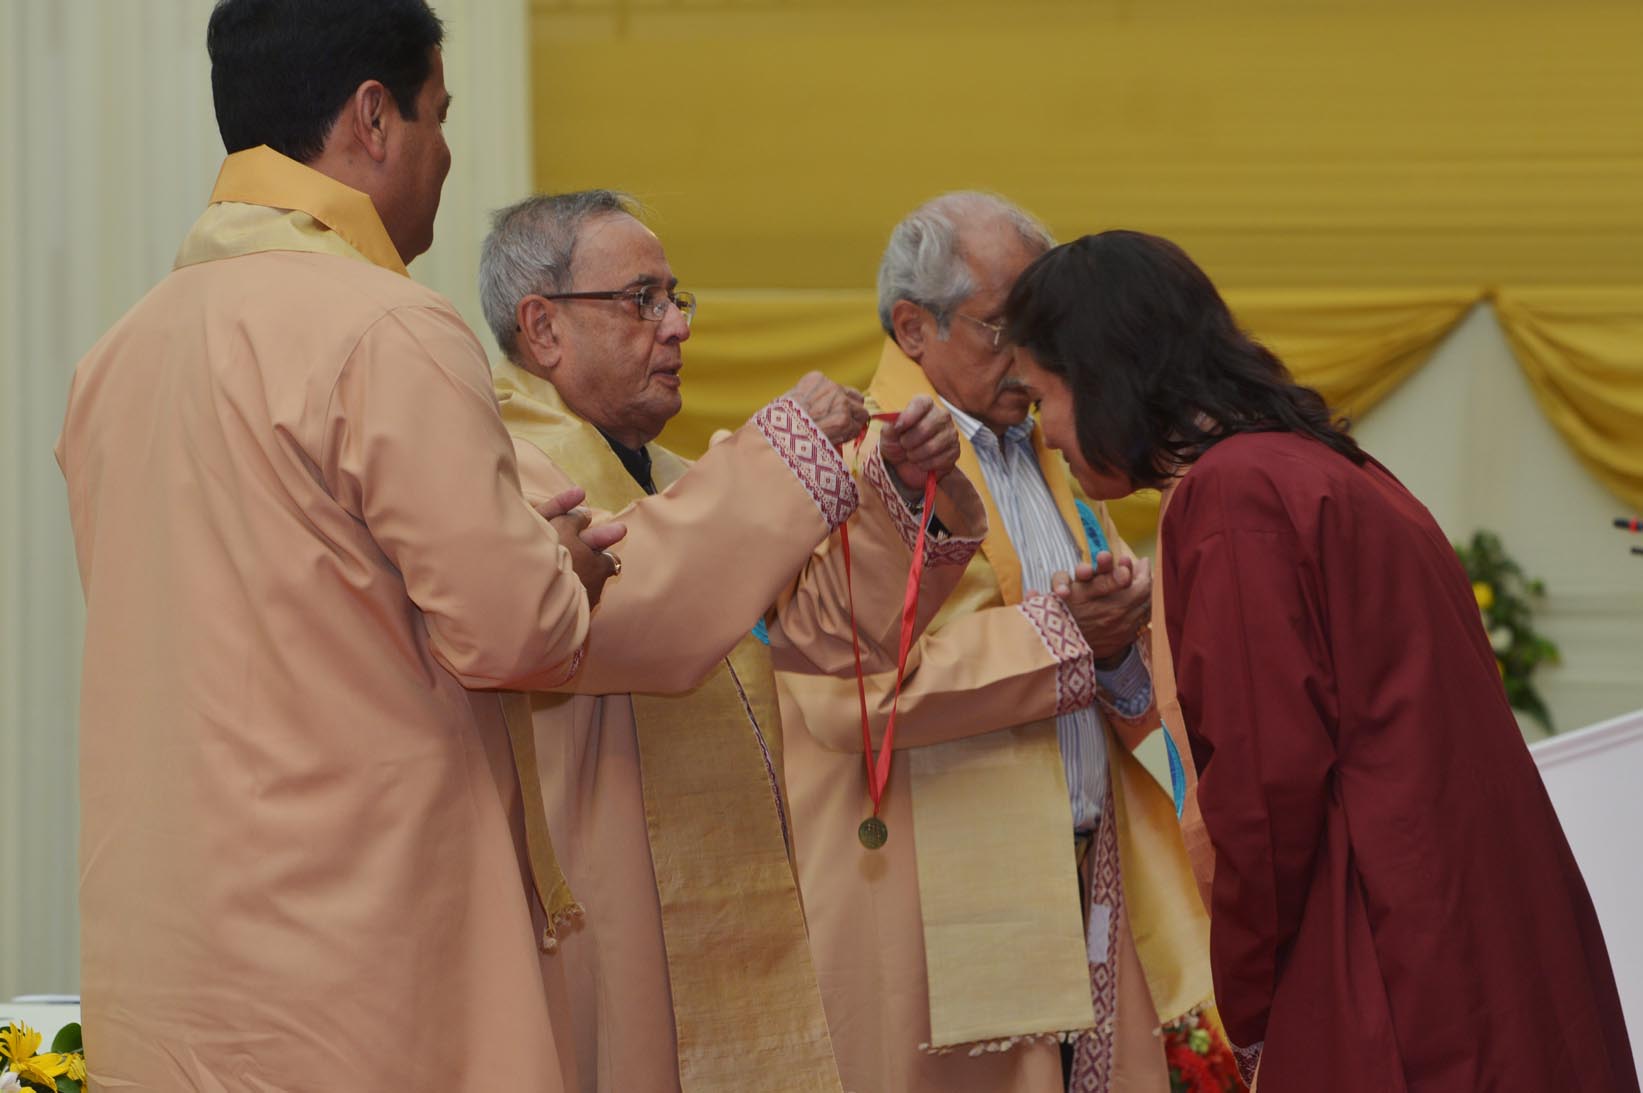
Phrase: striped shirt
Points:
(1046, 546)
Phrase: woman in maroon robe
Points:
(1394, 905)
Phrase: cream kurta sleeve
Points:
(813, 635)
(982, 670)
(996, 667)
(415, 449)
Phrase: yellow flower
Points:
(18, 1041)
(76, 1071)
(19, 1044)
(1484, 592)
(42, 1069)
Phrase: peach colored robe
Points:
(744, 522)
(984, 665)
(302, 541)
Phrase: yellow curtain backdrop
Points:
(1352, 175)
(748, 347)
(1582, 350)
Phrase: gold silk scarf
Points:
(709, 762)
(998, 891)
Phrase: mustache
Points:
(1011, 383)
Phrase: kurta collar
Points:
(262, 176)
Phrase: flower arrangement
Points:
(1506, 600)
(1198, 1057)
(24, 1066)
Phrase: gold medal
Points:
(872, 833)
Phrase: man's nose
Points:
(675, 327)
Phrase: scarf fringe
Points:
(982, 1047)
(570, 912)
(975, 1048)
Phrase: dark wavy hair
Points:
(281, 70)
(1158, 369)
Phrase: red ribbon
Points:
(878, 766)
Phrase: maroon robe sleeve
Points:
(1256, 687)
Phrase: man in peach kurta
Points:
(1032, 909)
(307, 562)
(689, 965)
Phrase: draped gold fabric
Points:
(1582, 350)
(746, 347)
(1354, 346)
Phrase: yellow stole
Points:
(264, 201)
(1171, 933)
(998, 890)
(716, 833)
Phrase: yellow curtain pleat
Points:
(1354, 347)
(1582, 350)
(747, 347)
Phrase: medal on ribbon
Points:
(873, 832)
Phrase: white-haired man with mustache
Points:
(989, 944)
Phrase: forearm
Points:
(994, 669)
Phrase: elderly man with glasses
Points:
(686, 951)
(996, 942)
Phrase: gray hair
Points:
(530, 248)
(924, 262)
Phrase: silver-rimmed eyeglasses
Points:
(650, 301)
(994, 330)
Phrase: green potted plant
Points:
(1507, 599)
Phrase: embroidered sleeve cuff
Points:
(811, 457)
(948, 549)
(1127, 689)
(1075, 672)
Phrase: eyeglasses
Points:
(995, 329)
(650, 301)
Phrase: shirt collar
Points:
(262, 176)
(972, 427)
(636, 461)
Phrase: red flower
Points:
(1212, 1069)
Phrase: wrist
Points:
(911, 495)
(1111, 661)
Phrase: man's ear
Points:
(912, 324)
(366, 116)
(538, 338)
